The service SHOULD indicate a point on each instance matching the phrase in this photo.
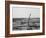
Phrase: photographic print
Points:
(25, 18)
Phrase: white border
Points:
(25, 31)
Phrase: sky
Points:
(24, 12)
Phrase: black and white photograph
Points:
(26, 18)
